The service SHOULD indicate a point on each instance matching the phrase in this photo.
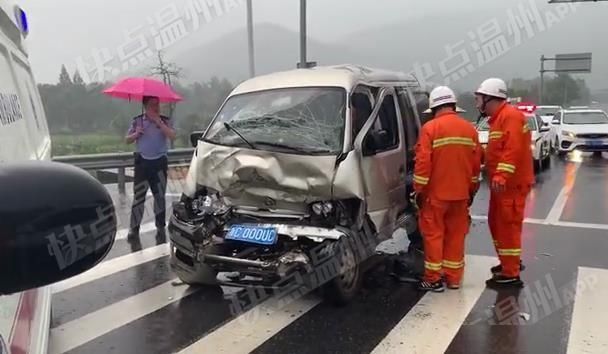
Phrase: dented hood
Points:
(271, 179)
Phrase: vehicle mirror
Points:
(545, 128)
(555, 121)
(56, 221)
(195, 137)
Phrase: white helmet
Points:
(493, 87)
(441, 95)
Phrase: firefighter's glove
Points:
(499, 183)
(416, 200)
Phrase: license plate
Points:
(253, 234)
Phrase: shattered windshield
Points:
(299, 120)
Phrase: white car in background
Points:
(540, 144)
(580, 129)
(547, 112)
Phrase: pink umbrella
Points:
(138, 87)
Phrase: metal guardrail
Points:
(121, 161)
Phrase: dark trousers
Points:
(149, 174)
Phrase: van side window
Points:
(385, 130)
(361, 109)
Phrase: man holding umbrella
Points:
(151, 133)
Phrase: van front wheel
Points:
(344, 286)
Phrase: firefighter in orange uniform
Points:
(510, 174)
(448, 159)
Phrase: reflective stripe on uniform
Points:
(454, 140)
(526, 128)
(475, 179)
(509, 251)
(505, 167)
(432, 266)
(421, 180)
(495, 135)
(453, 265)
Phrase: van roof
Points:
(346, 75)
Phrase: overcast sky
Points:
(63, 30)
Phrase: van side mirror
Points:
(56, 221)
(195, 137)
(555, 122)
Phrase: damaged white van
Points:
(298, 177)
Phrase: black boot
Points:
(501, 281)
(498, 269)
(161, 236)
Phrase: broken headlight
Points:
(322, 208)
(210, 204)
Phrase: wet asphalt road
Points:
(567, 229)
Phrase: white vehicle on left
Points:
(540, 144)
(24, 135)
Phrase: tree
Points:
(168, 72)
(64, 77)
(78, 79)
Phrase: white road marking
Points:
(578, 225)
(434, 321)
(589, 320)
(112, 266)
(560, 202)
(95, 324)
(526, 220)
(247, 332)
(582, 225)
(147, 227)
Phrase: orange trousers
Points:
(444, 225)
(505, 219)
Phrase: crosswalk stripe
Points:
(147, 227)
(80, 331)
(589, 320)
(248, 331)
(432, 323)
(112, 266)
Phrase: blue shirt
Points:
(153, 144)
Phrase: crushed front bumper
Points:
(192, 252)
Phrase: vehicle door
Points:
(556, 128)
(543, 136)
(411, 124)
(381, 147)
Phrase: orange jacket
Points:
(508, 154)
(448, 158)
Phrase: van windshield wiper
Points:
(293, 148)
(230, 128)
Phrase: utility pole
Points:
(542, 79)
(303, 60)
(250, 38)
